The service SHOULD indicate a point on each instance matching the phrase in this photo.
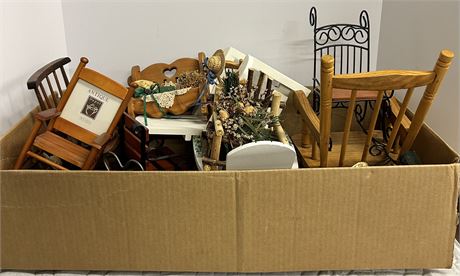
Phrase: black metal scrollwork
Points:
(348, 43)
(334, 32)
(345, 32)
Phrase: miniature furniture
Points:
(349, 44)
(135, 145)
(88, 113)
(47, 96)
(354, 146)
(186, 125)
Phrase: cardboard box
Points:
(240, 221)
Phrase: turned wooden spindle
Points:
(327, 71)
(399, 118)
(441, 67)
(305, 140)
(275, 110)
(373, 122)
(346, 130)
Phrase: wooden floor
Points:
(353, 154)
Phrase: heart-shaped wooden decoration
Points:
(170, 72)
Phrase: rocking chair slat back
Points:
(49, 98)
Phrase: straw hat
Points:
(216, 63)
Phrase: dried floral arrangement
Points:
(245, 117)
(185, 80)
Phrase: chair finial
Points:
(327, 63)
(84, 60)
(313, 18)
(446, 57)
(364, 19)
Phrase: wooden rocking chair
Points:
(317, 131)
(88, 113)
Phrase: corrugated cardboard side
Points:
(388, 217)
(118, 221)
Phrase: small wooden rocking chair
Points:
(317, 131)
(88, 113)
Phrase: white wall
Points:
(118, 34)
(411, 37)
(31, 35)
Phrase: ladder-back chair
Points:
(87, 113)
(349, 44)
(46, 94)
(318, 130)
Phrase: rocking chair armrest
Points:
(101, 140)
(309, 117)
(47, 115)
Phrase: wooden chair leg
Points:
(314, 150)
(91, 160)
(305, 140)
(28, 144)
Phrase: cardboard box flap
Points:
(12, 142)
(127, 221)
(432, 149)
(360, 218)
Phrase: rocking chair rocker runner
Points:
(88, 112)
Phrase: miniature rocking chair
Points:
(88, 113)
(355, 145)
